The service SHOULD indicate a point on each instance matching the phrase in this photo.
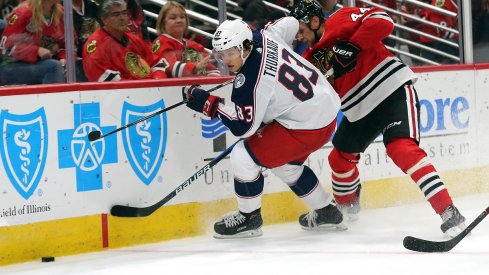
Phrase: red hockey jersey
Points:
(107, 59)
(441, 19)
(182, 57)
(19, 41)
(378, 72)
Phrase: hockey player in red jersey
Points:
(278, 108)
(111, 53)
(377, 97)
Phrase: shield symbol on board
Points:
(24, 149)
(144, 142)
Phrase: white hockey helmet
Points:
(231, 33)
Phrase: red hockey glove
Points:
(201, 101)
(344, 59)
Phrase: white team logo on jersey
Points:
(239, 81)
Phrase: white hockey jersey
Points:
(277, 84)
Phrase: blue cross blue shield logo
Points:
(145, 143)
(24, 149)
(88, 158)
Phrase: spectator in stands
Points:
(414, 10)
(444, 20)
(329, 6)
(85, 22)
(33, 44)
(112, 53)
(137, 23)
(254, 12)
(183, 57)
(6, 7)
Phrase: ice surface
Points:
(372, 245)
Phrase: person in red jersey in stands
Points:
(112, 53)
(32, 47)
(184, 57)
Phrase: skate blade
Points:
(241, 235)
(327, 227)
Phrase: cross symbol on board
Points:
(75, 150)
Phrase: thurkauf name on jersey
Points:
(271, 59)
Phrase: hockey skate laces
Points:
(311, 219)
(233, 219)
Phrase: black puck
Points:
(47, 259)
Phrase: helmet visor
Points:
(228, 54)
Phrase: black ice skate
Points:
(453, 221)
(351, 210)
(328, 218)
(239, 225)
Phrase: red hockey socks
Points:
(345, 176)
(413, 161)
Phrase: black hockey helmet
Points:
(304, 10)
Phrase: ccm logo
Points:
(342, 52)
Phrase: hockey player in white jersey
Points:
(284, 109)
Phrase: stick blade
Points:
(124, 211)
(421, 245)
(92, 136)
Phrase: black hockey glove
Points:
(201, 101)
(344, 59)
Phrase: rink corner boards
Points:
(78, 235)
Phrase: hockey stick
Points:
(421, 245)
(94, 135)
(129, 211)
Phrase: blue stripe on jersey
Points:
(244, 96)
